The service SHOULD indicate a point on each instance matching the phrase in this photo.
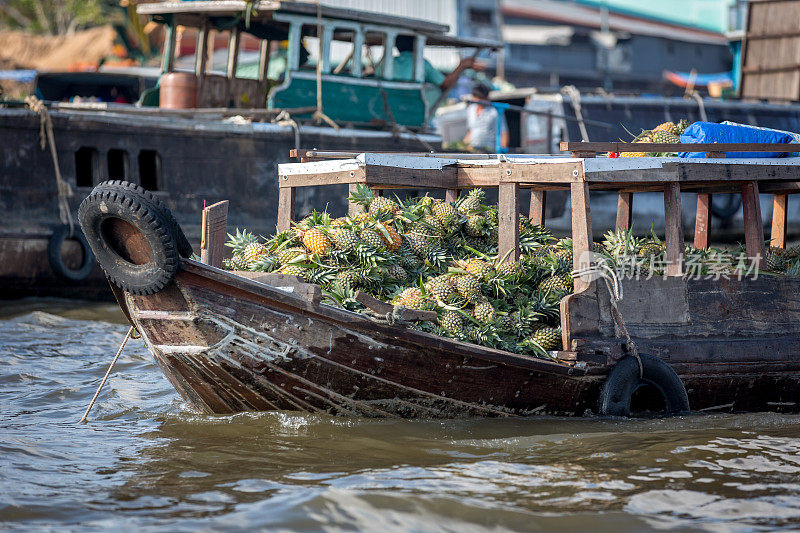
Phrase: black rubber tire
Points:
(147, 197)
(623, 380)
(117, 202)
(60, 269)
(725, 206)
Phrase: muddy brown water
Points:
(146, 461)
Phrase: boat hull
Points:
(229, 344)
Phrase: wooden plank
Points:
(353, 208)
(214, 225)
(581, 232)
(753, 227)
(680, 147)
(327, 178)
(382, 308)
(287, 283)
(537, 207)
(508, 219)
(624, 210)
(673, 229)
(451, 195)
(779, 220)
(286, 198)
(702, 221)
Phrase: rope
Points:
(614, 288)
(700, 105)
(319, 114)
(284, 118)
(575, 99)
(46, 137)
(108, 372)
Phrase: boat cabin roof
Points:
(224, 14)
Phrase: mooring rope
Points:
(575, 99)
(46, 137)
(108, 372)
(319, 114)
(614, 288)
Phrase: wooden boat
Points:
(227, 145)
(232, 343)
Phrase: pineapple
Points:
(253, 252)
(452, 322)
(441, 287)
(340, 222)
(508, 268)
(445, 213)
(288, 255)
(475, 225)
(409, 294)
(344, 239)
(238, 262)
(557, 283)
(345, 279)
(479, 268)
(665, 137)
(418, 243)
(433, 226)
(666, 126)
(548, 338)
(295, 270)
(396, 272)
(371, 238)
(316, 241)
(651, 249)
(469, 287)
(391, 239)
(472, 202)
(483, 312)
(633, 154)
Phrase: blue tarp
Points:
(711, 132)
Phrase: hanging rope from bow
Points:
(46, 138)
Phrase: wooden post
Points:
(212, 244)
(779, 211)
(353, 208)
(201, 59)
(233, 52)
(624, 210)
(581, 231)
(508, 219)
(537, 207)
(263, 60)
(753, 227)
(451, 195)
(673, 229)
(285, 207)
(702, 221)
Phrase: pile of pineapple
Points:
(666, 133)
(424, 253)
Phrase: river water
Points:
(146, 461)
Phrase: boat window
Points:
(309, 49)
(249, 58)
(217, 62)
(149, 169)
(86, 166)
(373, 53)
(342, 52)
(117, 164)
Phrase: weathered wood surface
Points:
(673, 230)
(399, 313)
(213, 231)
(508, 221)
(581, 232)
(286, 283)
(753, 225)
(624, 210)
(690, 311)
(779, 221)
(286, 208)
(702, 221)
(536, 211)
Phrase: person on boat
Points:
(403, 69)
(483, 120)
